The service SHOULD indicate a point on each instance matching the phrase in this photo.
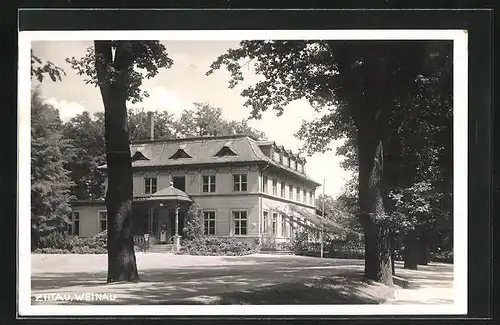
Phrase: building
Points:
(241, 184)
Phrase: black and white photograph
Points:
(243, 172)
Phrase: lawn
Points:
(254, 279)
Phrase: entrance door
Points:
(171, 223)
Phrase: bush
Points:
(268, 243)
(442, 256)
(194, 222)
(92, 245)
(216, 246)
(54, 240)
(299, 243)
(50, 250)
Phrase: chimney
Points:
(151, 126)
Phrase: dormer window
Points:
(225, 151)
(180, 154)
(138, 156)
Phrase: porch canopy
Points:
(168, 197)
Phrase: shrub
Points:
(54, 240)
(268, 243)
(91, 245)
(442, 256)
(194, 222)
(50, 250)
(299, 243)
(216, 246)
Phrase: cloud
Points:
(161, 98)
(67, 109)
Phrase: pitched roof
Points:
(204, 150)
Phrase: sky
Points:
(176, 89)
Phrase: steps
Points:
(161, 248)
(276, 252)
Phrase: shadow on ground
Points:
(241, 280)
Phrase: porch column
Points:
(177, 221)
(177, 238)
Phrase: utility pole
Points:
(322, 217)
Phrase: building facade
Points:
(242, 185)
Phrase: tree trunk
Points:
(423, 247)
(121, 256)
(378, 266)
(411, 252)
(393, 254)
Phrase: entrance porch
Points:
(158, 222)
(160, 216)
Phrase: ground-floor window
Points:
(103, 220)
(240, 222)
(265, 220)
(275, 223)
(209, 222)
(74, 226)
(283, 225)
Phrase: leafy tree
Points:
(87, 135)
(194, 223)
(165, 126)
(118, 69)
(39, 69)
(356, 84)
(206, 121)
(50, 182)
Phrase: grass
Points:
(342, 289)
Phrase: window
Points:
(180, 154)
(179, 182)
(264, 184)
(240, 182)
(274, 223)
(265, 220)
(290, 192)
(289, 162)
(297, 197)
(296, 164)
(225, 151)
(209, 222)
(150, 222)
(281, 158)
(240, 222)
(275, 187)
(209, 183)
(150, 185)
(103, 220)
(283, 226)
(282, 189)
(304, 194)
(75, 224)
(311, 199)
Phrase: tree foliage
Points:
(205, 120)
(40, 69)
(356, 85)
(50, 181)
(87, 134)
(194, 223)
(141, 60)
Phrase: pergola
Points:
(169, 197)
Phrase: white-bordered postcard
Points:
(243, 178)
